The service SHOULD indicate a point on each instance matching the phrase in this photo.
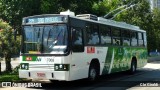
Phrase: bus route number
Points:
(50, 60)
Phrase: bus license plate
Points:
(41, 75)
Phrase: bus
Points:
(67, 47)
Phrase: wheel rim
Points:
(133, 67)
(93, 74)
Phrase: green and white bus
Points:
(66, 47)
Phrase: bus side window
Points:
(145, 39)
(134, 39)
(105, 35)
(140, 39)
(116, 34)
(77, 40)
(92, 34)
(126, 37)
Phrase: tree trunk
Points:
(8, 64)
(0, 67)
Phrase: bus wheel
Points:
(92, 73)
(133, 67)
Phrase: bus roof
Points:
(109, 22)
(99, 20)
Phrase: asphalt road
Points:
(147, 78)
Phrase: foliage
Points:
(12, 76)
(105, 6)
(15, 70)
(13, 11)
(139, 15)
(8, 46)
(9, 78)
(154, 32)
(78, 6)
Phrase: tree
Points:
(139, 15)
(8, 46)
(13, 11)
(154, 33)
(56, 6)
(105, 6)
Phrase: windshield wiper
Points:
(56, 39)
(64, 38)
(39, 37)
(48, 36)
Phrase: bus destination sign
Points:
(50, 19)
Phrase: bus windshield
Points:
(48, 39)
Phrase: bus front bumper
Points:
(52, 75)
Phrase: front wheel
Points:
(93, 73)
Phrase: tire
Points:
(93, 73)
(133, 67)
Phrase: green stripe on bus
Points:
(29, 58)
(107, 61)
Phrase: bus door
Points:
(77, 54)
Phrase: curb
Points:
(152, 59)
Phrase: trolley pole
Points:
(119, 10)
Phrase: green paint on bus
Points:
(122, 58)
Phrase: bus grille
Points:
(41, 66)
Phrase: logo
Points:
(28, 58)
(6, 84)
(38, 59)
(90, 49)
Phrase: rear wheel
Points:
(133, 67)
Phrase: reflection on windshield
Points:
(45, 39)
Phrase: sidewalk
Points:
(156, 58)
(14, 63)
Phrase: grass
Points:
(12, 76)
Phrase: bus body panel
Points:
(81, 61)
(44, 74)
(44, 65)
(116, 60)
(119, 58)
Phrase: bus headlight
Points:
(61, 67)
(24, 66)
